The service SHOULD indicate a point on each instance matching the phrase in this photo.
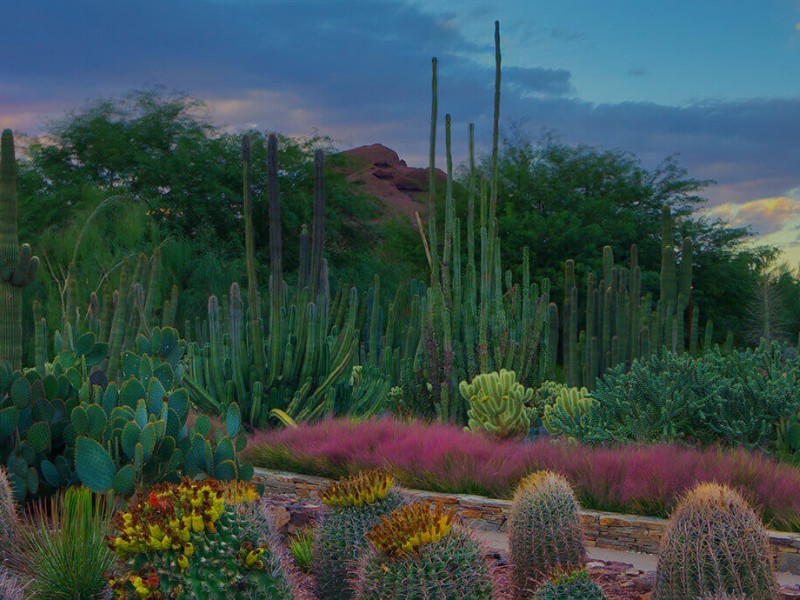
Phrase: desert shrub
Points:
(735, 399)
(714, 543)
(63, 550)
(419, 552)
(545, 535)
(642, 479)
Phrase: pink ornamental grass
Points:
(636, 479)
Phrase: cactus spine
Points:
(545, 534)
(714, 542)
(18, 266)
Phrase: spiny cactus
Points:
(545, 534)
(9, 517)
(498, 404)
(417, 552)
(568, 406)
(17, 264)
(355, 506)
(575, 586)
(714, 542)
(188, 541)
(721, 596)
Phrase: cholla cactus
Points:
(419, 552)
(355, 506)
(568, 405)
(714, 543)
(575, 586)
(498, 404)
(545, 534)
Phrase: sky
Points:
(716, 83)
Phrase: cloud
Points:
(766, 215)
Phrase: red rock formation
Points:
(384, 175)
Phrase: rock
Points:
(388, 178)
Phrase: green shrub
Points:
(416, 552)
(545, 535)
(355, 506)
(575, 586)
(301, 544)
(714, 543)
(736, 399)
(64, 553)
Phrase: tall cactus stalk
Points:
(254, 322)
(275, 258)
(18, 266)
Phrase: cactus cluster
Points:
(62, 428)
(568, 406)
(573, 586)
(714, 543)
(499, 404)
(355, 505)
(186, 541)
(545, 535)
(419, 552)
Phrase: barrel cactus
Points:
(575, 586)
(499, 404)
(9, 516)
(355, 505)
(545, 535)
(714, 543)
(192, 540)
(419, 552)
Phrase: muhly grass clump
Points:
(644, 480)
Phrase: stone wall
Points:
(606, 530)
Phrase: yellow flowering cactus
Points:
(368, 487)
(189, 540)
(407, 528)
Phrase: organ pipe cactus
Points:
(18, 266)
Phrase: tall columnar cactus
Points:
(355, 506)
(714, 543)
(18, 266)
(419, 552)
(545, 535)
(499, 404)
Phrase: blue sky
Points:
(716, 82)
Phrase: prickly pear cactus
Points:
(545, 535)
(419, 552)
(714, 543)
(191, 540)
(498, 404)
(575, 586)
(355, 506)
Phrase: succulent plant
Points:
(575, 586)
(714, 543)
(498, 404)
(545, 535)
(9, 516)
(420, 552)
(192, 540)
(568, 405)
(355, 505)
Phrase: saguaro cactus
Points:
(17, 264)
